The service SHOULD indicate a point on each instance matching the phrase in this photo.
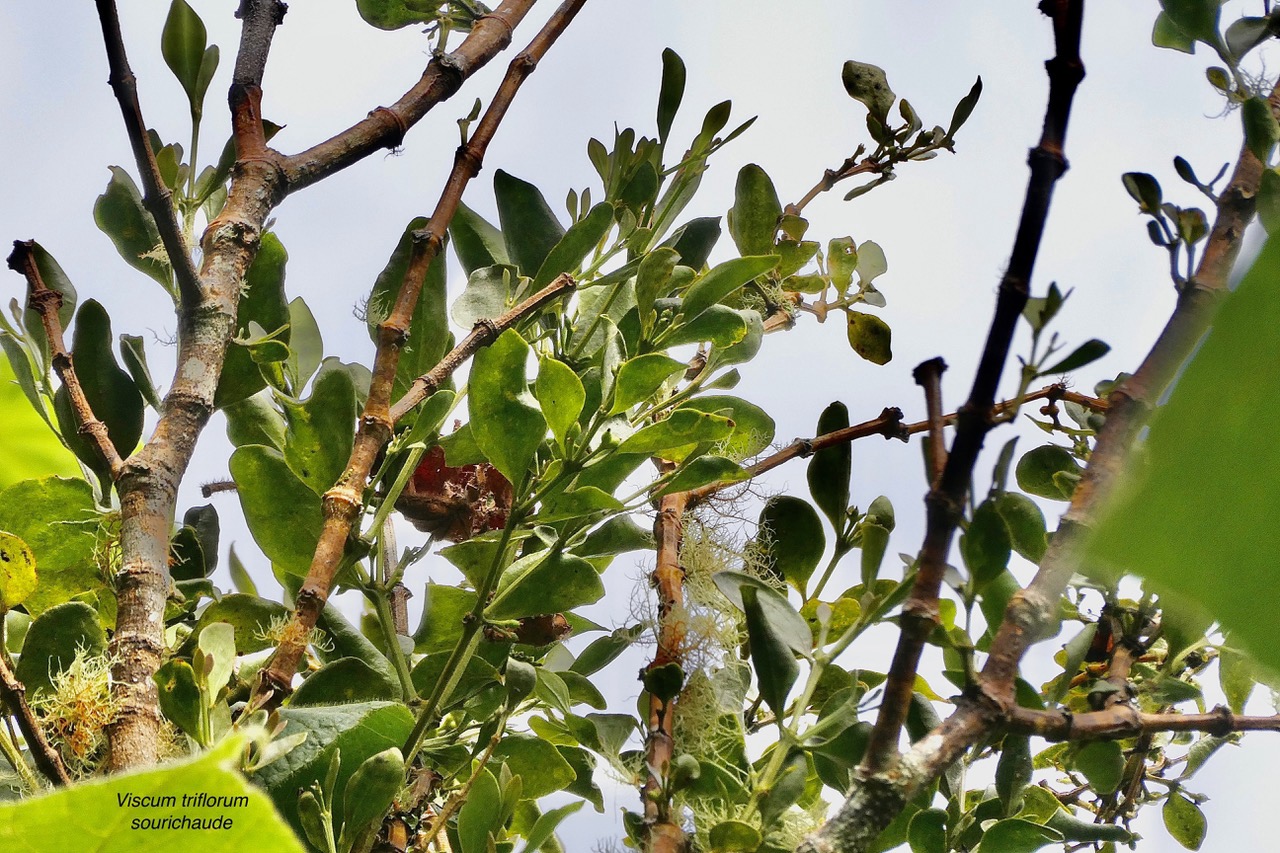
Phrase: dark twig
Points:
(882, 785)
(385, 127)
(928, 375)
(1122, 720)
(343, 503)
(46, 303)
(13, 695)
(156, 197)
(888, 424)
(945, 500)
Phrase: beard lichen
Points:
(76, 711)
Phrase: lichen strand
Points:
(77, 711)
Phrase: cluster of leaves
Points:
(459, 728)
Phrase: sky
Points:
(946, 226)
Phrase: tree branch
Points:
(13, 694)
(156, 197)
(385, 127)
(888, 424)
(148, 483)
(343, 503)
(665, 834)
(1129, 407)
(1125, 721)
(945, 500)
(46, 303)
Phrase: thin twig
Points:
(945, 500)
(156, 197)
(46, 758)
(343, 503)
(385, 127)
(46, 302)
(928, 375)
(888, 424)
(1124, 721)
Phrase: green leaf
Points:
(178, 693)
(870, 337)
(694, 241)
(965, 108)
(560, 395)
(255, 420)
(875, 541)
(1261, 130)
(120, 215)
(579, 503)
(249, 615)
(479, 816)
(56, 518)
(477, 242)
(1102, 763)
(830, 468)
(1015, 835)
(344, 681)
(603, 651)
(618, 535)
(1013, 771)
(529, 228)
(1184, 820)
(771, 657)
(395, 14)
(182, 43)
(546, 584)
(1236, 677)
(282, 512)
(1144, 189)
(135, 361)
(1041, 472)
(1197, 19)
(786, 789)
(538, 763)
(319, 432)
(112, 396)
(753, 429)
(677, 436)
(784, 622)
(505, 419)
(868, 84)
(263, 303)
(442, 615)
(1186, 509)
(17, 571)
(653, 279)
(793, 538)
(583, 236)
(720, 325)
(357, 731)
(703, 471)
(92, 812)
(1076, 649)
(753, 220)
(1087, 353)
(1166, 34)
(722, 281)
(370, 790)
(986, 545)
(1027, 531)
(53, 640)
(927, 832)
(32, 447)
(640, 378)
(671, 92)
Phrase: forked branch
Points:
(343, 503)
(13, 696)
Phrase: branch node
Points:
(487, 327)
(402, 127)
(508, 30)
